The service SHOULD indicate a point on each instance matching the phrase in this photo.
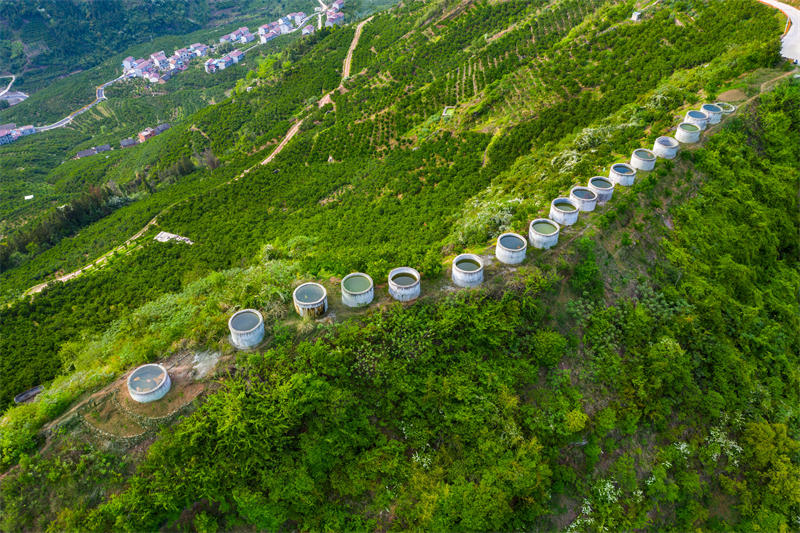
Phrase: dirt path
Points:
(13, 79)
(288, 137)
(97, 262)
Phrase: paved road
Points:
(790, 47)
(99, 96)
(13, 79)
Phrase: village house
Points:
(247, 38)
(269, 36)
(161, 128)
(85, 153)
(307, 30)
(145, 134)
(127, 143)
(236, 56)
(199, 49)
(5, 136)
(159, 59)
(338, 5)
(334, 18)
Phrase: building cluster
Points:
(94, 150)
(285, 24)
(145, 134)
(334, 15)
(10, 132)
(231, 58)
(141, 137)
(159, 68)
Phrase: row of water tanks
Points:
(311, 299)
(564, 211)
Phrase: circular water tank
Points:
(666, 147)
(404, 284)
(467, 270)
(698, 118)
(643, 159)
(603, 188)
(310, 299)
(583, 197)
(726, 108)
(687, 133)
(622, 174)
(357, 290)
(148, 383)
(511, 248)
(543, 233)
(564, 211)
(247, 328)
(713, 111)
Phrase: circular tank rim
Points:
(157, 386)
(688, 126)
(353, 275)
(726, 107)
(648, 154)
(707, 108)
(317, 301)
(473, 257)
(605, 180)
(512, 234)
(670, 142)
(241, 312)
(627, 168)
(564, 200)
(546, 220)
(404, 270)
(582, 188)
(696, 113)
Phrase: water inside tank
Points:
(147, 378)
(404, 280)
(309, 293)
(601, 183)
(245, 321)
(664, 141)
(468, 265)
(622, 169)
(545, 228)
(711, 107)
(512, 242)
(584, 194)
(689, 127)
(697, 114)
(357, 284)
(565, 206)
(643, 154)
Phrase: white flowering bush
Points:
(484, 220)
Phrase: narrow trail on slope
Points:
(8, 87)
(288, 137)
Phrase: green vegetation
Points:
(640, 375)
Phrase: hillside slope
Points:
(640, 374)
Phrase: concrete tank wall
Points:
(697, 117)
(540, 238)
(602, 187)
(643, 159)
(403, 292)
(583, 197)
(310, 299)
(726, 108)
(666, 147)
(687, 133)
(467, 275)
(507, 250)
(713, 111)
(357, 298)
(564, 211)
(247, 328)
(622, 174)
(149, 383)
